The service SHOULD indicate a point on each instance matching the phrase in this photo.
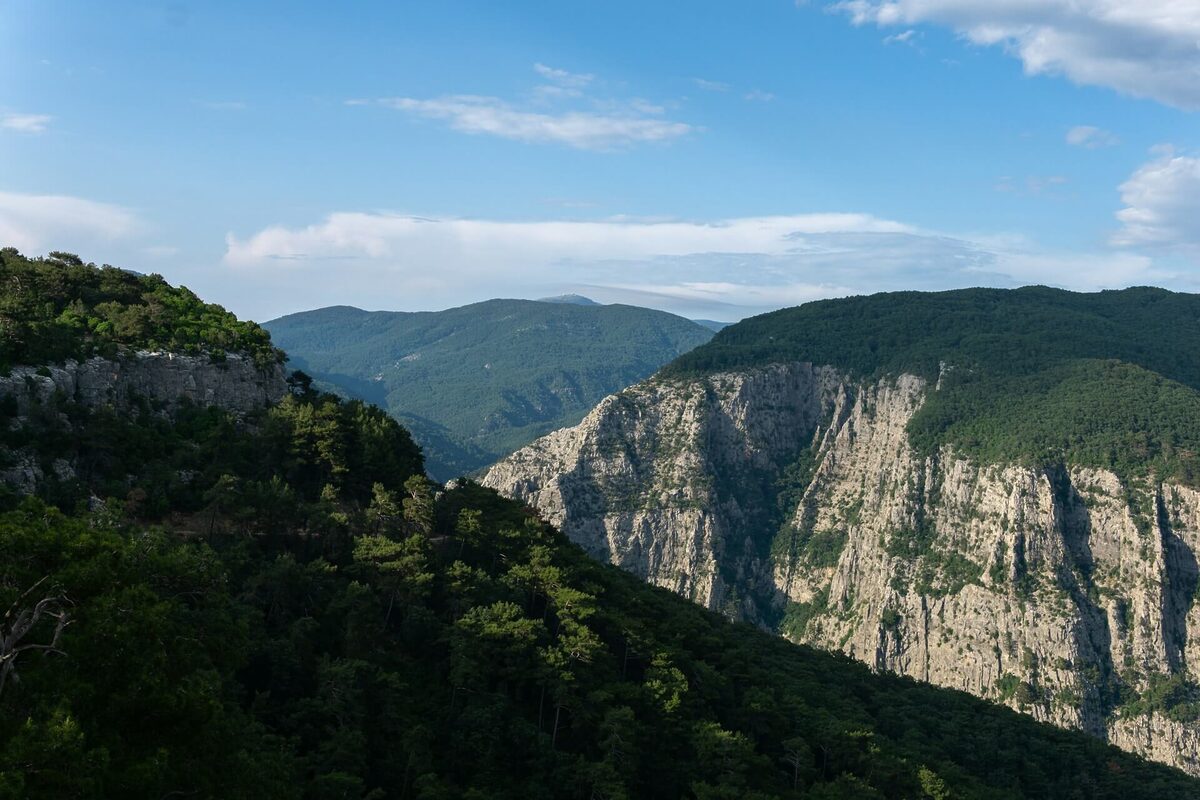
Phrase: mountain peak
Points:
(569, 299)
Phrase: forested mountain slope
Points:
(991, 490)
(275, 602)
(476, 382)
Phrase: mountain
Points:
(475, 383)
(569, 299)
(995, 491)
(240, 587)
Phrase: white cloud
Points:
(562, 77)
(354, 235)
(724, 269)
(1091, 137)
(759, 96)
(576, 120)
(1162, 204)
(585, 130)
(1145, 49)
(33, 223)
(711, 86)
(904, 37)
(25, 123)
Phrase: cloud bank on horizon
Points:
(729, 268)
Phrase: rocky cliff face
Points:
(790, 496)
(163, 380)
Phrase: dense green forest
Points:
(282, 605)
(57, 307)
(477, 382)
(1110, 379)
(307, 616)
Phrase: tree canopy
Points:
(1109, 379)
(58, 307)
(283, 605)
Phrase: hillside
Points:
(59, 308)
(1107, 379)
(476, 382)
(989, 490)
(275, 602)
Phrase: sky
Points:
(714, 159)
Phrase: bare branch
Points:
(19, 622)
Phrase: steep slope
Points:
(987, 490)
(476, 382)
(274, 602)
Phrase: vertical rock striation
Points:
(165, 380)
(790, 496)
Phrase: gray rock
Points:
(167, 379)
(1036, 588)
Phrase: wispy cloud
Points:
(1144, 49)
(904, 37)
(1091, 137)
(573, 119)
(562, 77)
(34, 222)
(758, 96)
(584, 130)
(711, 86)
(25, 123)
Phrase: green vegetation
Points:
(797, 615)
(477, 382)
(1176, 697)
(1037, 375)
(57, 308)
(282, 605)
(1007, 685)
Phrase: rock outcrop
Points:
(165, 380)
(791, 497)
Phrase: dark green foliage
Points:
(283, 606)
(512, 666)
(1105, 414)
(797, 615)
(316, 622)
(1007, 685)
(916, 331)
(890, 619)
(1176, 697)
(1041, 375)
(57, 307)
(268, 464)
(477, 382)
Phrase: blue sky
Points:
(715, 159)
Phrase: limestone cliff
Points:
(162, 380)
(790, 496)
(234, 382)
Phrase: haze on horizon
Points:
(716, 163)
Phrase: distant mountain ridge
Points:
(569, 299)
(476, 382)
